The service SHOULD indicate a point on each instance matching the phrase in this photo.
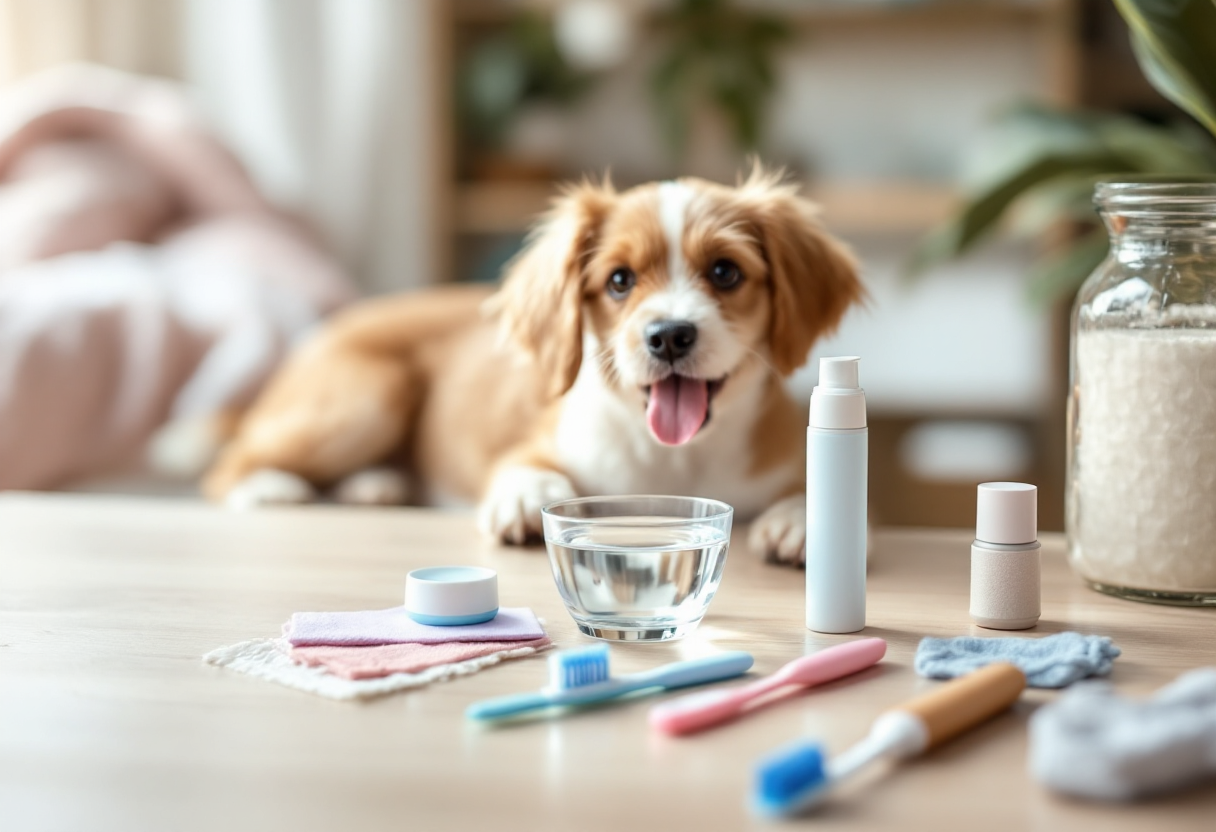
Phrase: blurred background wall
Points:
(420, 137)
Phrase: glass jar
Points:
(1141, 493)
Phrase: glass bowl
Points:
(637, 568)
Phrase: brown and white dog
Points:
(638, 345)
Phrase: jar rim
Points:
(1158, 196)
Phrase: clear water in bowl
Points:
(639, 582)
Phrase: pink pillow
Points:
(78, 195)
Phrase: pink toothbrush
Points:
(704, 710)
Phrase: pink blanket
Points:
(142, 276)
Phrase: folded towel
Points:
(1094, 743)
(1050, 662)
(394, 626)
(384, 659)
(266, 658)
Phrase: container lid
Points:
(838, 402)
(1007, 513)
(839, 371)
(451, 591)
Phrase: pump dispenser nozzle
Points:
(838, 402)
(839, 372)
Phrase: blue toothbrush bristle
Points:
(787, 778)
(577, 668)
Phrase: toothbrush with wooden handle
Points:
(704, 710)
(799, 777)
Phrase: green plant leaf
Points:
(1151, 148)
(672, 85)
(1060, 275)
(982, 213)
(1175, 43)
(492, 83)
(505, 71)
(1063, 199)
(1046, 162)
(720, 53)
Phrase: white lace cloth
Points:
(265, 658)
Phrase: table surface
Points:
(109, 720)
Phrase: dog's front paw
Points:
(779, 534)
(373, 487)
(269, 486)
(510, 511)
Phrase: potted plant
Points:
(1051, 159)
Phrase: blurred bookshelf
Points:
(858, 208)
(504, 200)
(808, 11)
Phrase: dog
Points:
(638, 344)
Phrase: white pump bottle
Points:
(837, 444)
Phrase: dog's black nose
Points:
(670, 340)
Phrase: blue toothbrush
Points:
(580, 677)
(801, 776)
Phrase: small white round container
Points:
(1005, 557)
(449, 596)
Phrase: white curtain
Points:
(337, 107)
(135, 35)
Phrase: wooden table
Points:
(109, 721)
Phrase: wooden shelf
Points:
(487, 12)
(499, 207)
(849, 208)
(884, 208)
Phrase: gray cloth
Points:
(1050, 662)
(1094, 743)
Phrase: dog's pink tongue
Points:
(677, 408)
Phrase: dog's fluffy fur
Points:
(556, 385)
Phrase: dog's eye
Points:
(724, 274)
(620, 282)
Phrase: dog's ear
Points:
(813, 276)
(540, 302)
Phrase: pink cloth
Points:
(393, 626)
(143, 278)
(384, 659)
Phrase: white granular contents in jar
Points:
(1146, 458)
